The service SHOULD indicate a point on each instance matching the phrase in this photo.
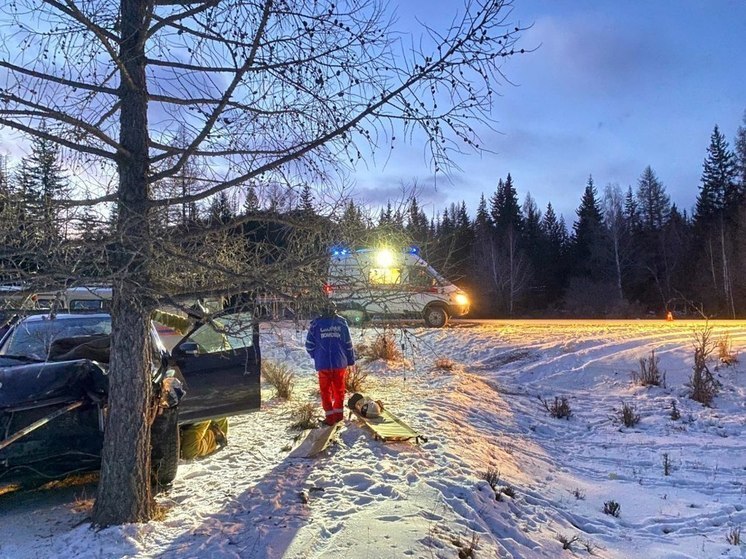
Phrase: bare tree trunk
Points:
(727, 285)
(712, 264)
(512, 269)
(124, 493)
(618, 267)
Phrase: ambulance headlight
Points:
(461, 299)
(384, 258)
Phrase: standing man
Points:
(330, 345)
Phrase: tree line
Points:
(627, 253)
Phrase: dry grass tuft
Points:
(627, 415)
(726, 355)
(444, 364)
(280, 377)
(356, 378)
(649, 373)
(384, 347)
(612, 508)
(559, 409)
(304, 416)
(733, 536)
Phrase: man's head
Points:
(328, 308)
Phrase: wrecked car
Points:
(54, 390)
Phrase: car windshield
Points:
(32, 338)
(231, 331)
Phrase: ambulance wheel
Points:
(436, 317)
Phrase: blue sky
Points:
(611, 87)
(614, 86)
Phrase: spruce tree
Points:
(306, 200)
(505, 209)
(48, 184)
(740, 156)
(251, 200)
(220, 209)
(653, 202)
(416, 222)
(588, 243)
(714, 221)
(718, 194)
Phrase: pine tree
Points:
(482, 219)
(554, 232)
(48, 184)
(306, 200)
(416, 222)
(386, 217)
(588, 241)
(553, 254)
(632, 212)
(653, 202)
(505, 209)
(718, 194)
(220, 209)
(740, 156)
(532, 223)
(715, 213)
(251, 200)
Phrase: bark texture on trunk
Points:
(124, 492)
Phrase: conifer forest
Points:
(628, 251)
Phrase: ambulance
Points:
(382, 282)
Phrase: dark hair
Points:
(329, 308)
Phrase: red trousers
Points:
(332, 386)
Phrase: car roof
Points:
(64, 316)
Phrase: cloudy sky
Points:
(613, 87)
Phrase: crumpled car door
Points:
(220, 362)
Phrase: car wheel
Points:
(436, 317)
(164, 439)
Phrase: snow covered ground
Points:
(368, 499)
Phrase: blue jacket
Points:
(329, 343)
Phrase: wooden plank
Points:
(313, 441)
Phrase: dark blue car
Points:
(54, 388)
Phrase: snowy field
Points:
(680, 484)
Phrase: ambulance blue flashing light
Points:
(340, 251)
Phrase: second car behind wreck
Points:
(54, 390)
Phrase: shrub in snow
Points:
(560, 408)
(467, 550)
(492, 477)
(627, 415)
(280, 377)
(649, 373)
(567, 541)
(733, 537)
(383, 347)
(703, 387)
(579, 494)
(355, 378)
(675, 413)
(613, 508)
(726, 355)
(667, 466)
(304, 416)
(444, 363)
